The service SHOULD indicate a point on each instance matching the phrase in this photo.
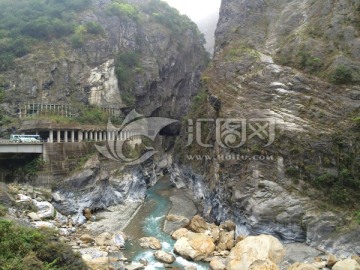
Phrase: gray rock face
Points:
(261, 206)
(94, 189)
(170, 66)
(5, 196)
(316, 29)
(264, 53)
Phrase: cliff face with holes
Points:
(295, 64)
(167, 72)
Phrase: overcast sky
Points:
(197, 10)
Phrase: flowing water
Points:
(149, 222)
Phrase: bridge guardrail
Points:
(14, 142)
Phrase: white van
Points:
(25, 138)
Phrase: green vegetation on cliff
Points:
(82, 31)
(3, 210)
(123, 10)
(127, 65)
(27, 249)
(24, 22)
(170, 17)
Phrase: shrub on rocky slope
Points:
(25, 248)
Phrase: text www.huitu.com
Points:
(231, 157)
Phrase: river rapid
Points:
(149, 222)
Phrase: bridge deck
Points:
(11, 147)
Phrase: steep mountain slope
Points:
(304, 185)
(121, 54)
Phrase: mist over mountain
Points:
(207, 26)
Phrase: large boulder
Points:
(198, 224)
(104, 239)
(215, 234)
(22, 198)
(34, 217)
(255, 248)
(119, 239)
(45, 210)
(177, 218)
(331, 260)
(164, 257)
(218, 263)
(226, 240)
(356, 258)
(228, 226)
(348, 264)
(150, 242)
(195, 246)
(180, 233)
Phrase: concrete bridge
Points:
(9, 147)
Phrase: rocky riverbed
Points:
(194, 243)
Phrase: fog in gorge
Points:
(205, 13)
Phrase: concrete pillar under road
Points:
(80, 136)
(58, 136)
(73, 136)
(95, 136)
(51, 136)
(86, 135)
(65, 136)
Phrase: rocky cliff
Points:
(121, 54)
(283, 157)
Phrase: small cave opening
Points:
(172, 130)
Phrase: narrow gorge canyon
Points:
(259, 168)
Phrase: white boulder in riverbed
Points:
(179, 233)
(164, 257)
(103, 239)
(226, 240)
(46, 210)
(263, 248)
(43, 224)
(348, 264)
(228, 225)
(195, 246)
(22, 198)
(119, 240)
(176, 218)
(198, 224)
(150, 242)
(34, 217)
(106, 239)
(218, 263)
